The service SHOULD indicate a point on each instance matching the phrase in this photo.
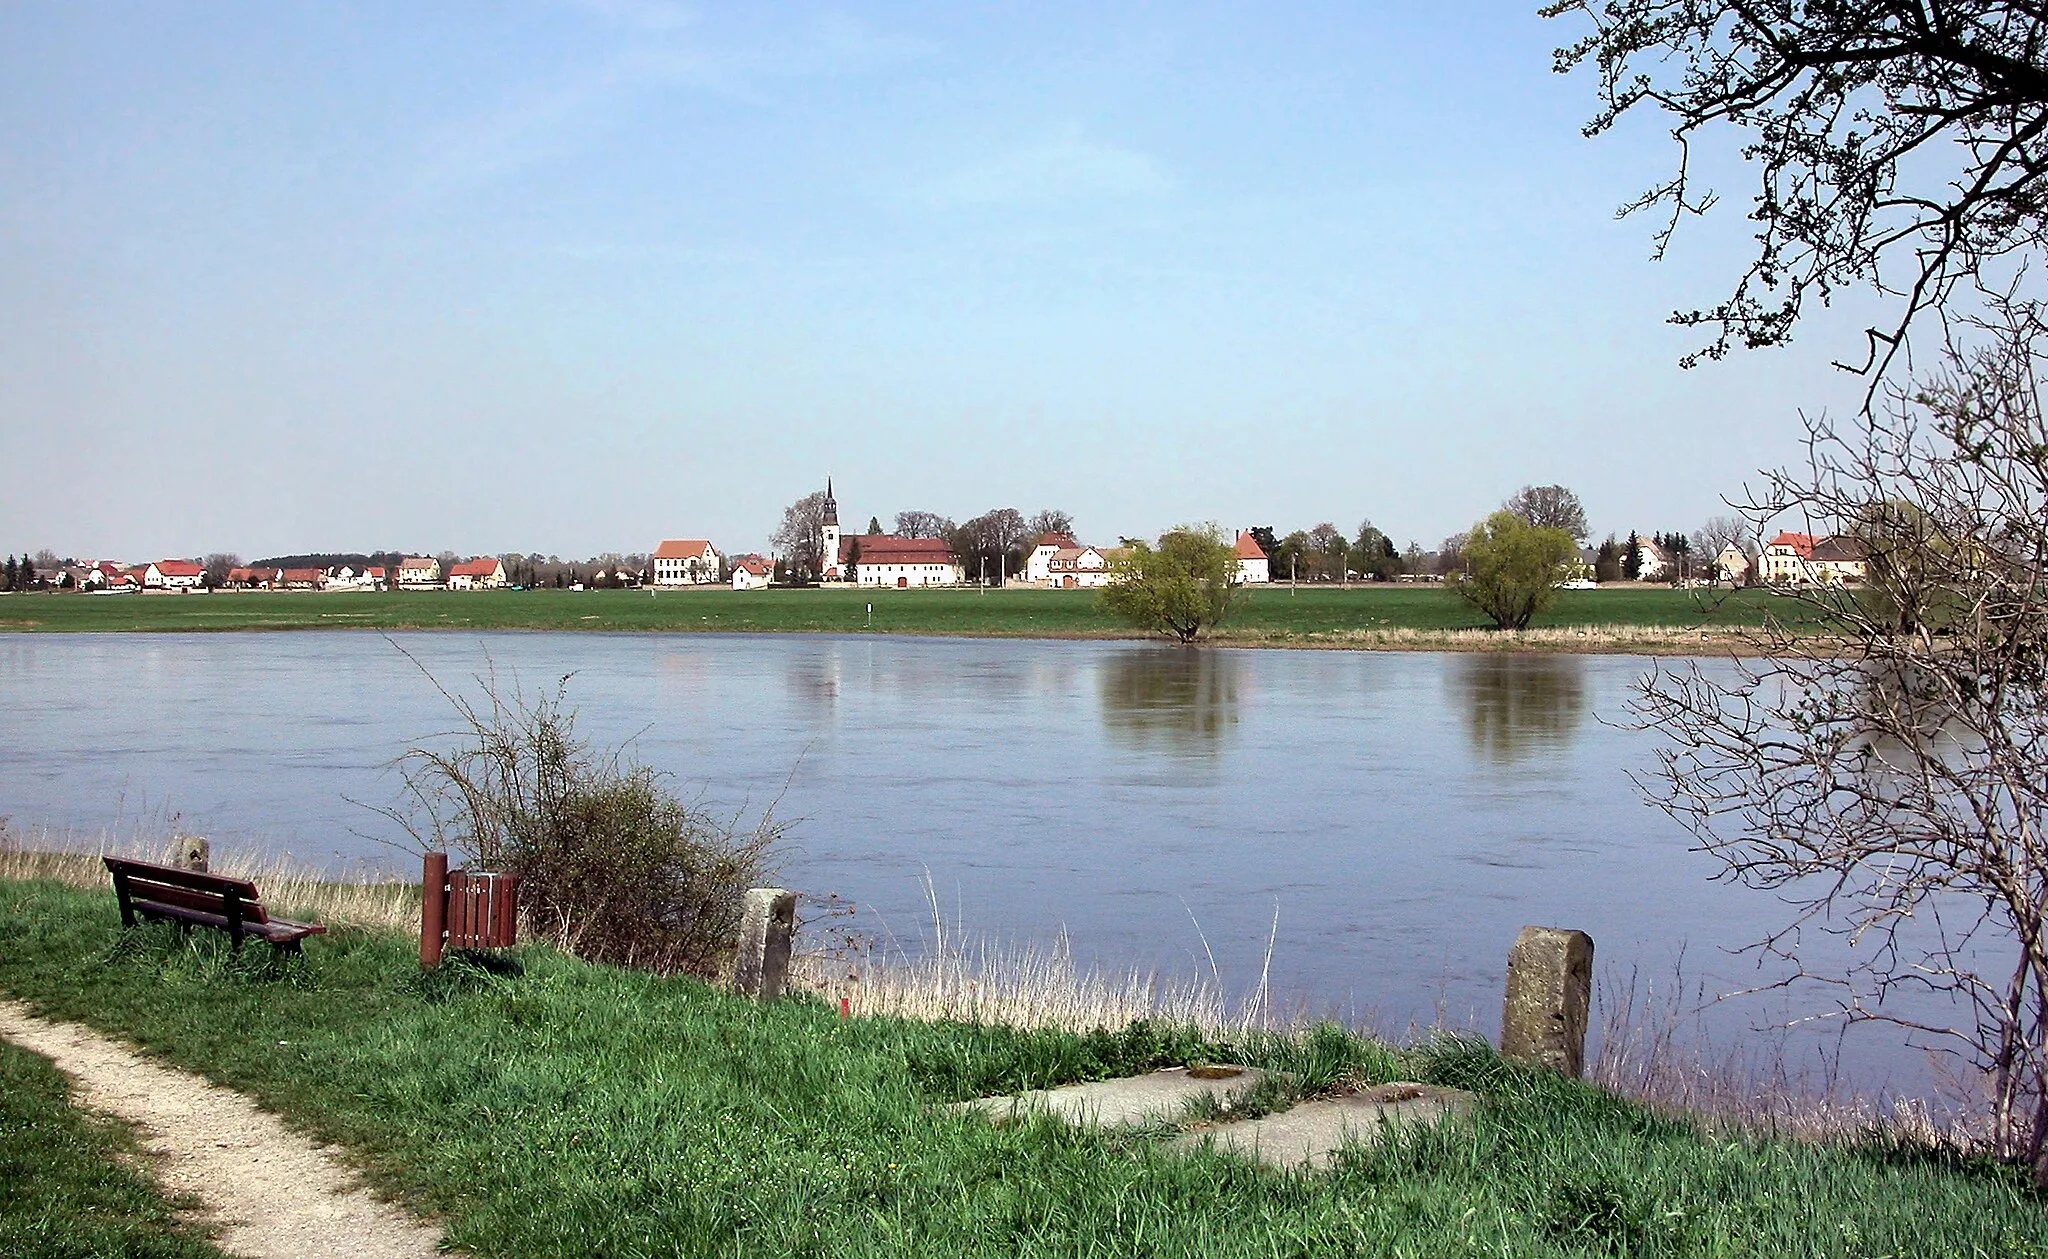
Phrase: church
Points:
(884, 559)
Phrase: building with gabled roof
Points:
(686, 562)
(884, 559)
(1254, 566)
(751, 572)
(486, 573)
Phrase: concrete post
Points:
(194, 853)
(1549, 996)
(766, 925)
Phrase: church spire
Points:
(831, 504)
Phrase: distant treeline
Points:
(332, 559)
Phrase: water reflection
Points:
(1516, 705)
(1182, 698)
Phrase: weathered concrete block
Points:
(193, 853)
(1549, 995)
(767, 923)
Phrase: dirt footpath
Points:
(270, 1192)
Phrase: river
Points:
(1402, 814)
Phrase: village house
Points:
(1800, 559)
(751, 572)
(1038, 564)
(172, 575)
(883, 559)
(686, 562)
(356, 577)
(249, 578)
(1077, 568)
(1253, 566)
(301, 579)
(1653, 561)
(418, 571)
(487, 573)
(1732, 565)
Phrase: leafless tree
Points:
(1050, 520)
(1888, 777)
(1720, 533)
(1899, 143)
(1550, 507)
(217, 566)
(922, 524)
(801, 535)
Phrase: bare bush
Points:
(1888, 777)
(613, 866)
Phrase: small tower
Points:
(828, 541)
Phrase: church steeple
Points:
(831, 504)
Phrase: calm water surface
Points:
(1403, 813)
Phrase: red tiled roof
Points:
(311, 576)
(753, 564)
(874, 547)
(683, 549)
(476, 568)
(1059, 540)
(178, 568)
(1248, 547)
(1801, 543)
(417, 563)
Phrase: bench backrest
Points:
(187, 889)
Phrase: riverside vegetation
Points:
(1647, 618)
(577, 1108)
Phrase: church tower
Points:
(828, 543)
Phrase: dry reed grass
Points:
(1632, 639)
(289, 888)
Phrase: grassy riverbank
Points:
(1647, 618)
(70, 1184)
(576, 1109)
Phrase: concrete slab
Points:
(1161, 1097)
(1310, 1134)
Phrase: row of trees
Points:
(18, 575)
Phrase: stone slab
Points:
(1161, 1097)
(1309, 1135)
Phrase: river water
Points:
(1403, 814)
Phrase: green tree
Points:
(11, 576)
(1632, 558)
(1185, 585)
(1607, 561)
(1515, 568)
(874, 525)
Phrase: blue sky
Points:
(571, 277)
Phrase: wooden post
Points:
(1549, 994)
(433, 907)
(766, 926)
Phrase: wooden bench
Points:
(201, 900)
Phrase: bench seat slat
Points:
(194, 879)
(276, 930)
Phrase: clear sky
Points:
(564, 277)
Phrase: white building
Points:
(487, 573)
(172, 575)
(751, 572)
(1253, 565)
(1037, 565)
(686, 562)
(883, 559)
(1077, 568)
(419, 571)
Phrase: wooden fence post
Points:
(1549, 995)
(433, 908)
(766, 925)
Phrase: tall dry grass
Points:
(289, 888)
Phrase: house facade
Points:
(1253, 565)
(1800, 559)
(686, 562)
(1077, 568)
(419, 571)
(1038, 564)
(172, 575)
(751, 572)
(883, 559)
(487, 573)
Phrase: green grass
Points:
(1267, 614)
(581, 1110)
(68, 1188)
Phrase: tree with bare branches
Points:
(1889, 777)
(1900, 144)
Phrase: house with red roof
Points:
(686, 562)
(301, 579)
(1037, 565)
(418, 572)
(1800, 559)
(1077, 568)
(487, 573)
(751, 572)
(1254, 567)
(884, 559)
(172, 575)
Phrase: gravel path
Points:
(270, 1192)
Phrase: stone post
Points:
(766, 925)
(194, 853)
(1549, 994)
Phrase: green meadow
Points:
(573, 1109)
(1269, 615)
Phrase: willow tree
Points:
(1185, 585)
(1512, 568)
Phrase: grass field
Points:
(69, 1184)
(582, 1110)
(1363, 616)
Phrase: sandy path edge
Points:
(270, 1192)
